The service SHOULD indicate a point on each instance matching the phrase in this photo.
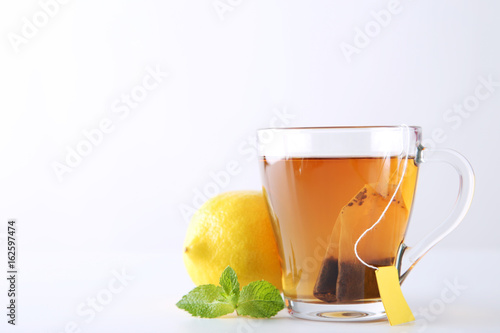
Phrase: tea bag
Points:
(343, 277)
(366, 235)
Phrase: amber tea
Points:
(320, 207)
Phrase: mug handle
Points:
(409, 256)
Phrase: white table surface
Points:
(53, 285)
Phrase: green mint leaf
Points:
(206, 301)
(260, 299)
(230, 285)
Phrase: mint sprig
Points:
(259, 299)
(206, 301)
(229, 282)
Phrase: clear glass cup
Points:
(325, 187)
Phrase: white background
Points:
(121, 206)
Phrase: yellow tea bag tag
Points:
(396, 308)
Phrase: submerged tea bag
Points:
(343, 277)
(359, 264)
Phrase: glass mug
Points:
(340, 199)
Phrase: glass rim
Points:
(312, 128)
(338, 141)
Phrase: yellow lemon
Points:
(232, 229)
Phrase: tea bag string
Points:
(403, 126)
